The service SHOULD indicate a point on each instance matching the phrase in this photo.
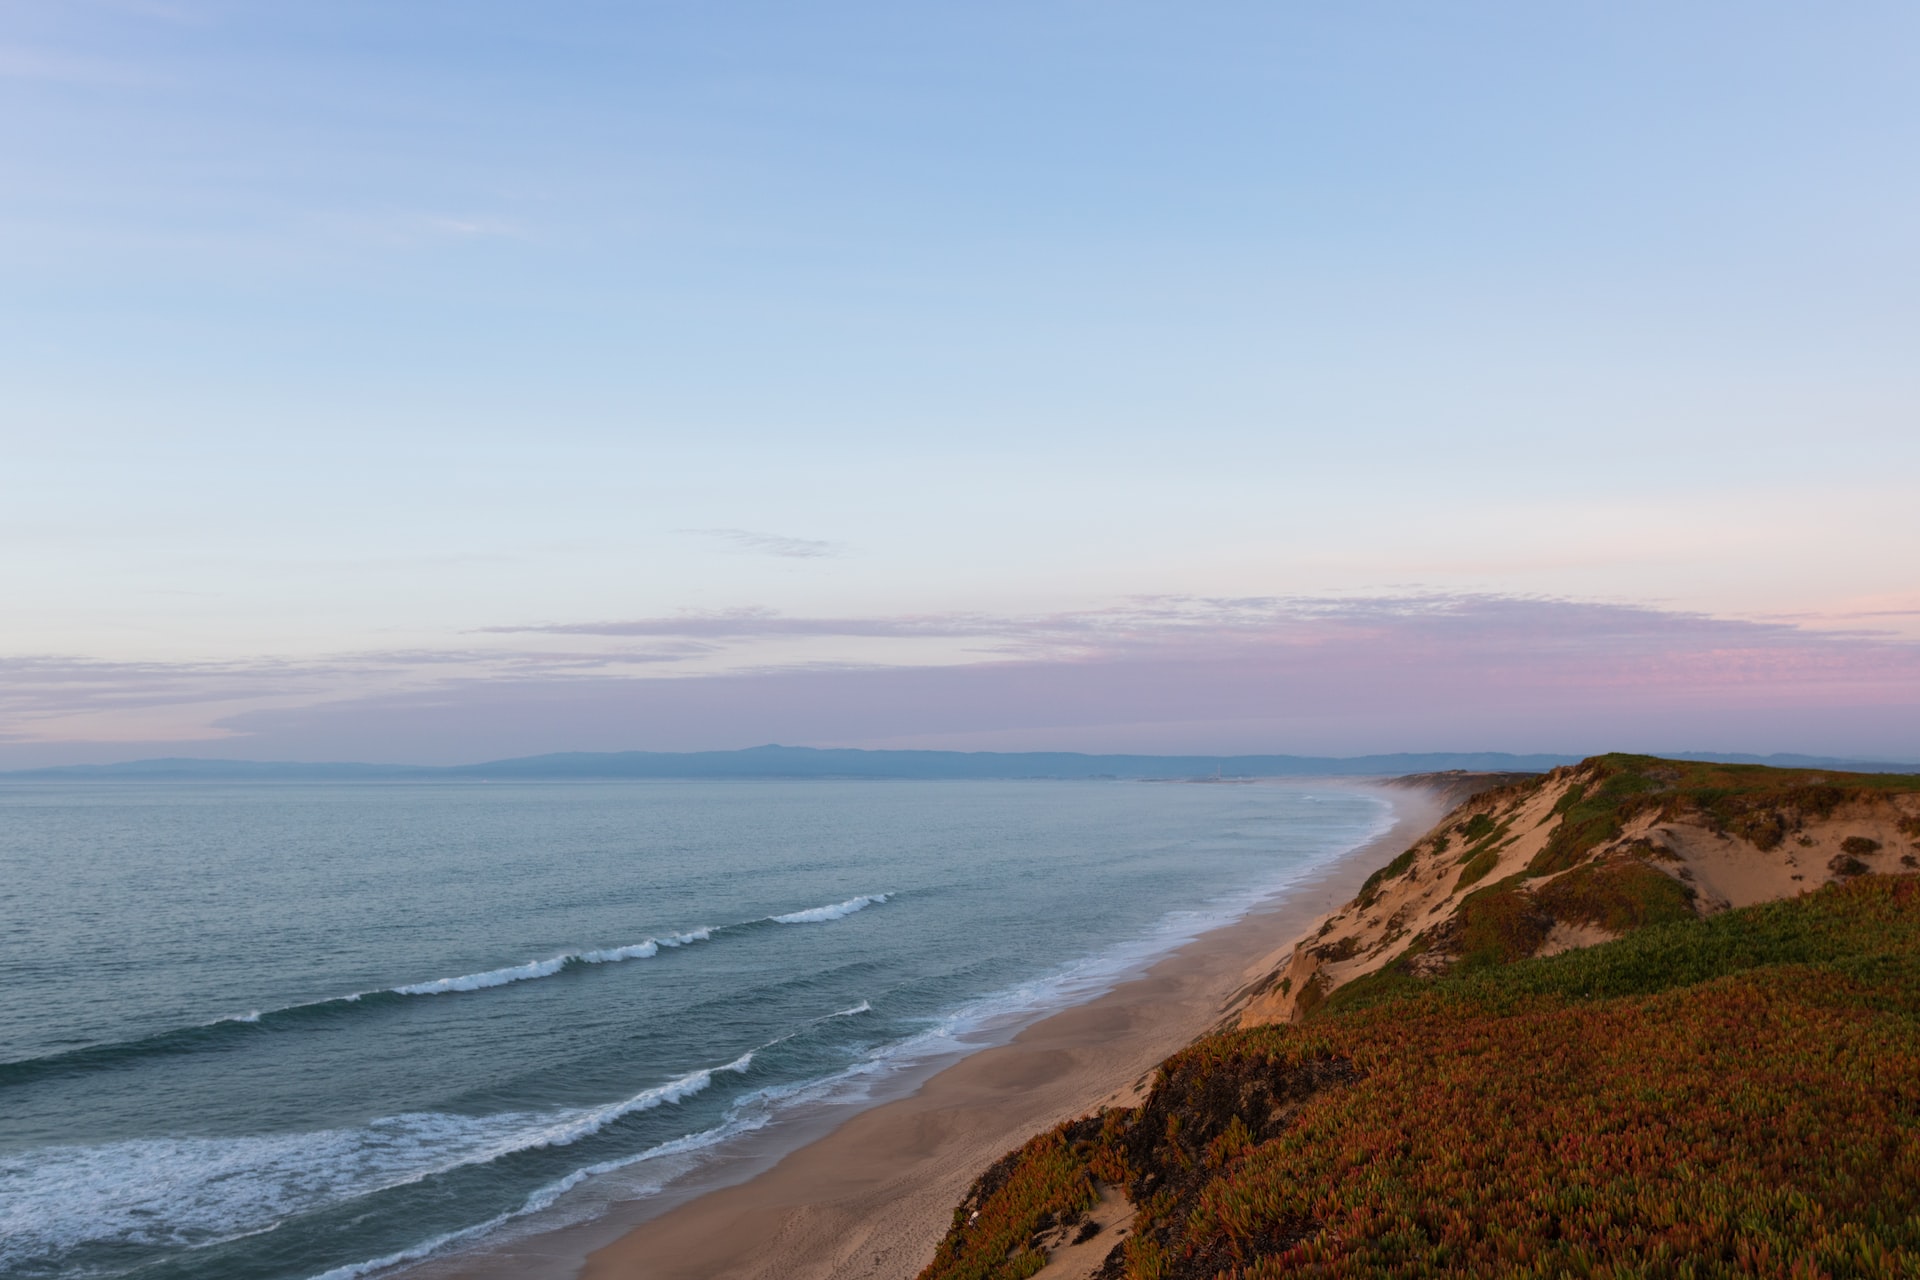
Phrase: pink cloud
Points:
(741, 624)
(1313, 676)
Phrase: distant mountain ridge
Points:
(774, 761)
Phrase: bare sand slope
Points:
(872, 1198)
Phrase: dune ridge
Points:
(1587, 853)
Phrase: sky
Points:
(437, 381)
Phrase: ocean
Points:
(295, 1030)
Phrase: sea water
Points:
(293, 1030)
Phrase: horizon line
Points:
(1487, 760)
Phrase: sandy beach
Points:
(870, 1198)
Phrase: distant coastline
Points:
(774, 761)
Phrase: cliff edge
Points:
(1634, 1017)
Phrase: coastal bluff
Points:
(1589, 852)
(1632, 1016)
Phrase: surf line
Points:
(213, 1034)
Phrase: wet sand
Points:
(870, 1193)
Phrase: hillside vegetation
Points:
(1719, 1089)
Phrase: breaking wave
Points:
(833, 911)
(196, 1192)
(219, 1032)
(548, 967)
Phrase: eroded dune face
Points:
(1587, 853)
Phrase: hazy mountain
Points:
(812, 762)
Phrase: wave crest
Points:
(550, 966)
(832, 911)
(195, 1192)
(207, 1035)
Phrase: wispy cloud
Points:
(1419, 670)
(756, 623)
(21, 62)
(182, 15)
(770, 544)
(409, 229)
(469, 227)
(1218, 625)
(59, 697)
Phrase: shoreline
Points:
(865, 1191)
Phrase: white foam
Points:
(191, 1192)
(548, 967)
(419, 1252)
(491, 978)
(999, 1013)
(534, 969)
(833, 911)
(740, 1119)
(643, 950)
(195, 1192)
(501, 977)
(571, 1127)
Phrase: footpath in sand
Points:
(872, 1198)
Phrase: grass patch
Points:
(1498, 925)
(1479, 826)
(1757, 803)
(1370, 891)
(1396, 977)
(1617, 896)
(1047, 1183)
(1477, 868)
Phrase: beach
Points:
(503, 1025)
(871, 1197)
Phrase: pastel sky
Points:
(439, 381)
